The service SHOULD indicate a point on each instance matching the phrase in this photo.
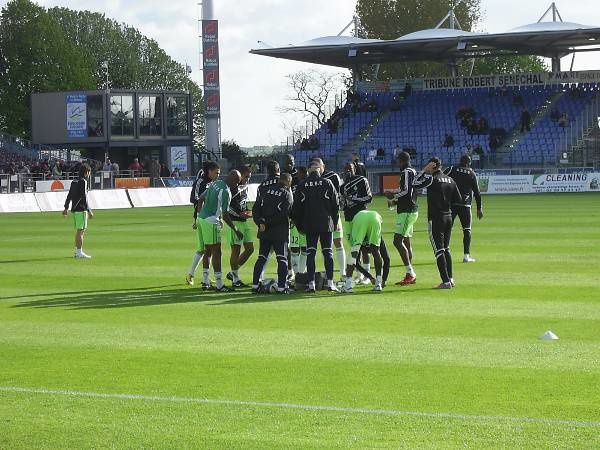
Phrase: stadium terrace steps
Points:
(516, 136)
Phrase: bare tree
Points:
(313, 91)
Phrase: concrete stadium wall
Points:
(180, 195)
(150, 198)
(109, 199)
(51, 201)
(16, 203)
(104, 199)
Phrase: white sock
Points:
(341, 259)
(79, 251)
(295, 257)
(219, 277)
(236, 276)
(195, 262)
(205, 276)
(302, 262)
(410, 270)
(311, 284)
(379, 280)
(262, 274)
(329, 283)
(348, 282)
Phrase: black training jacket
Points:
(273, 210)
(316, 207)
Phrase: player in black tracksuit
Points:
(442, 192)
(272, 215)
(273, 172)
(338, 233)
(466, 180)
(238, 210)
(316, 213)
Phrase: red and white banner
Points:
(52, 185)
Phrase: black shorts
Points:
(440, 230)
(464, 214)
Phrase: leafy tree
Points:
(233, 153)
(390, 19)
(35, 56)
(61, 49)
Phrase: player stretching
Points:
(442, 192)
(272, 215)
(239, 214)
(338, 233)
(80, 208)
(366, 233)
(406, 207)
(209, 173)
(214, 211)
(466, 180)
(316, 213)
(355, 196)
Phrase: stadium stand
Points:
(422, 122)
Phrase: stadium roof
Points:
(549, 39)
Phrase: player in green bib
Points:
(366, 233)
(215, 206)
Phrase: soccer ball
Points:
(269, 285)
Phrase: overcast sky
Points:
(254, 86)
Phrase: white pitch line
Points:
(377, 412)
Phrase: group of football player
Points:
(299, 208)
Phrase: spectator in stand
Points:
(564, 120)
(372, 154)
(24, 169)
(555, 115)
(380, 154)
(175, 173)
(448, 141)
(478, 156)
(164, 171)
(115, 168)
(305, 145)
(107, 167)
(482, 126)
(395, 154)
(56, 171)
(313, 143)
(154, 171)
(518, 100)
(135, 167)
(525, 120)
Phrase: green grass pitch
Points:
(117, 352)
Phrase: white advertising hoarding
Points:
(544, 183)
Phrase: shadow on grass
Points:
(63, 293)
(16, 261)
(149, 297)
